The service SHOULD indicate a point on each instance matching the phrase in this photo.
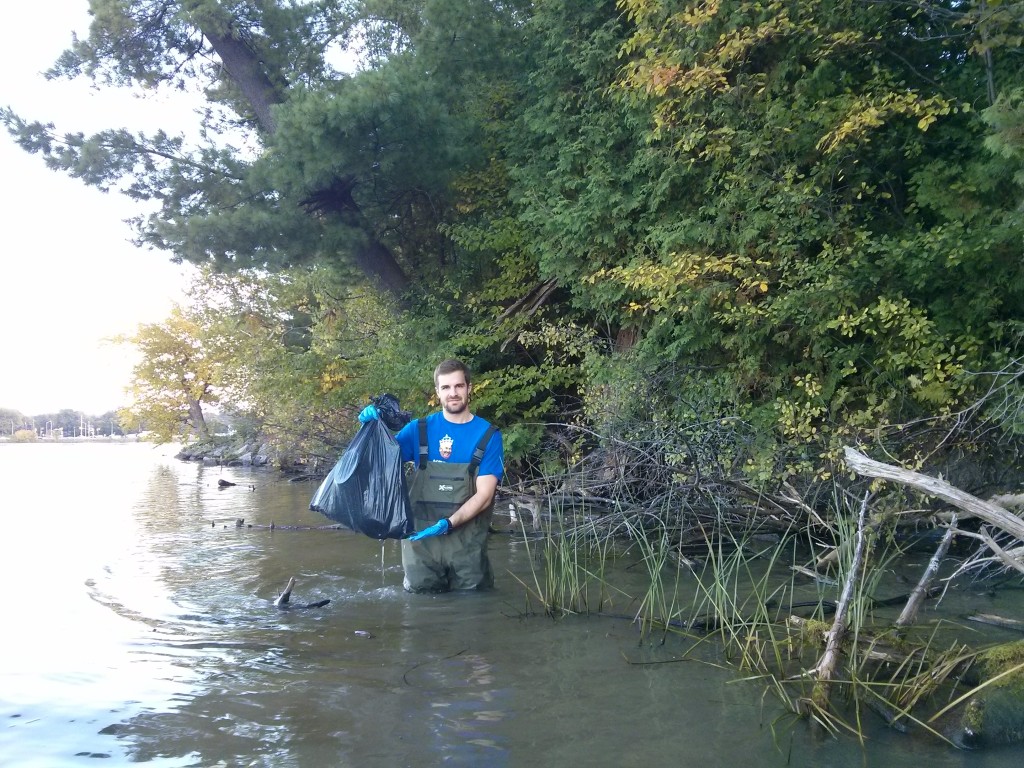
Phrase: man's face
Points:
(453, 392)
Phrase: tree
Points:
(790, 201)
(299, 342)
(10, 421)
(336, 169)
(109, 423)
(283, 357)
(183, 365)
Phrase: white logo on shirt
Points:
(444, 447)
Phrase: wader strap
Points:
(481, 448)
(423, 444)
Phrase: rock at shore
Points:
(223, 452)
(995, 716)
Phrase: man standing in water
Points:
(459, 461)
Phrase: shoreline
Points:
(108, 439)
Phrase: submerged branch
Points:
(997, 621)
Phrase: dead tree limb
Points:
(1012, 558)
(825, 670)
(792, 496)
(997, 621)
(994, 515)
(909, 612)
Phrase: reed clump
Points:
(789, 590)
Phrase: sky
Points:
(70, 279)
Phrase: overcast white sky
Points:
(69, 277)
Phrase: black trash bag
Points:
(391, 412)
(366, 491)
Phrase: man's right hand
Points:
(369, 413)
(441, 528)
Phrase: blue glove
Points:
(440, 528)
(369, 413)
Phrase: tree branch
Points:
(909, 612)
(992, 514)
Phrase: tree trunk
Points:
(195, 415)
(247, 72)
(379, 265)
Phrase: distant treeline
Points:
(67, 422)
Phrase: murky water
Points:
(139, 628)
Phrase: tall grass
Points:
(737, 593)
(658, 605)
(741, 593)
(568, 565)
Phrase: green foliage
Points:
(817, 220)
(1005, 118)
(10, 420)
(582, 178)
(801, 218)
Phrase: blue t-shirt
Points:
(453, 443)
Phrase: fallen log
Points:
(825, 670)
(992, 514)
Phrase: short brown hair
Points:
(451, 365)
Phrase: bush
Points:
(25, 436)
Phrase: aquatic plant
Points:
(721, 562)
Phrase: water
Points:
(139, 628)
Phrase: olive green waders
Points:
(457, 560)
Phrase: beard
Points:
(455, 406)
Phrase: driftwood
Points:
(814, 575)
(1001, 519)
(825, 669)
(909, 612)
(994, 515)
(1011, 558)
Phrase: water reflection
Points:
(144, 630)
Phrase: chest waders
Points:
(459, 559)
